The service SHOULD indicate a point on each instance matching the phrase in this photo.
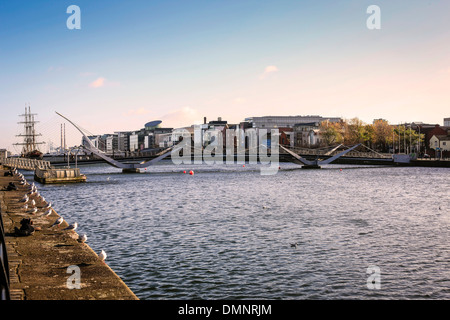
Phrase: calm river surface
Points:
(225, 232)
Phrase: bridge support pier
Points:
(131, 170)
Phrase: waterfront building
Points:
(185, 132)
(446, 122)
(134, 142)
(112, 143)
(123, 142)
(307, 135)
(97, 141)
(429, 130)
(164, 140)
(145, 138)
(441, 145)
(149, 141)
(295, 130)
(274, 122)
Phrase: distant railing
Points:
(4, 266)
(25, 164)
(356, 154)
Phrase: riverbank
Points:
(42, 263)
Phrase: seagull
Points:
(82, 238)
(47, 213)
(48, 206)
(72, 227)
(57, 222)
(24, 199)
(102, 256)
(294, 245)
(33, 203)
(25, 207)
(33, 211)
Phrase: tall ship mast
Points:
(30, 145)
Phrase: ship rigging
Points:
(30, 145)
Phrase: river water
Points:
(225, 232)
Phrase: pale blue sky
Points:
(135, 61)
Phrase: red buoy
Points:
(191, 173)
(184, 171)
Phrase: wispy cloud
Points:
(184, 116)
(100, 82)
(267, 71)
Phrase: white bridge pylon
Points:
(126, 167)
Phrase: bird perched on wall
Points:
(47, 213)
(82, 238)
(24, 199)
(48, 206)
(72, 227)
(33, 203)
(102, 256)
(32, 211)
(57, 222)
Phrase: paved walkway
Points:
(39, 263)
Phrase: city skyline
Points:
(181, 61)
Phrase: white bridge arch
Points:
(126, 167)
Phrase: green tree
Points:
(382, 135)
(331, 132)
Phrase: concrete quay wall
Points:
(41, 264)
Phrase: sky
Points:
(179, 61)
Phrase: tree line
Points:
(380, 135)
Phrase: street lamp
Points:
(70, 151)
